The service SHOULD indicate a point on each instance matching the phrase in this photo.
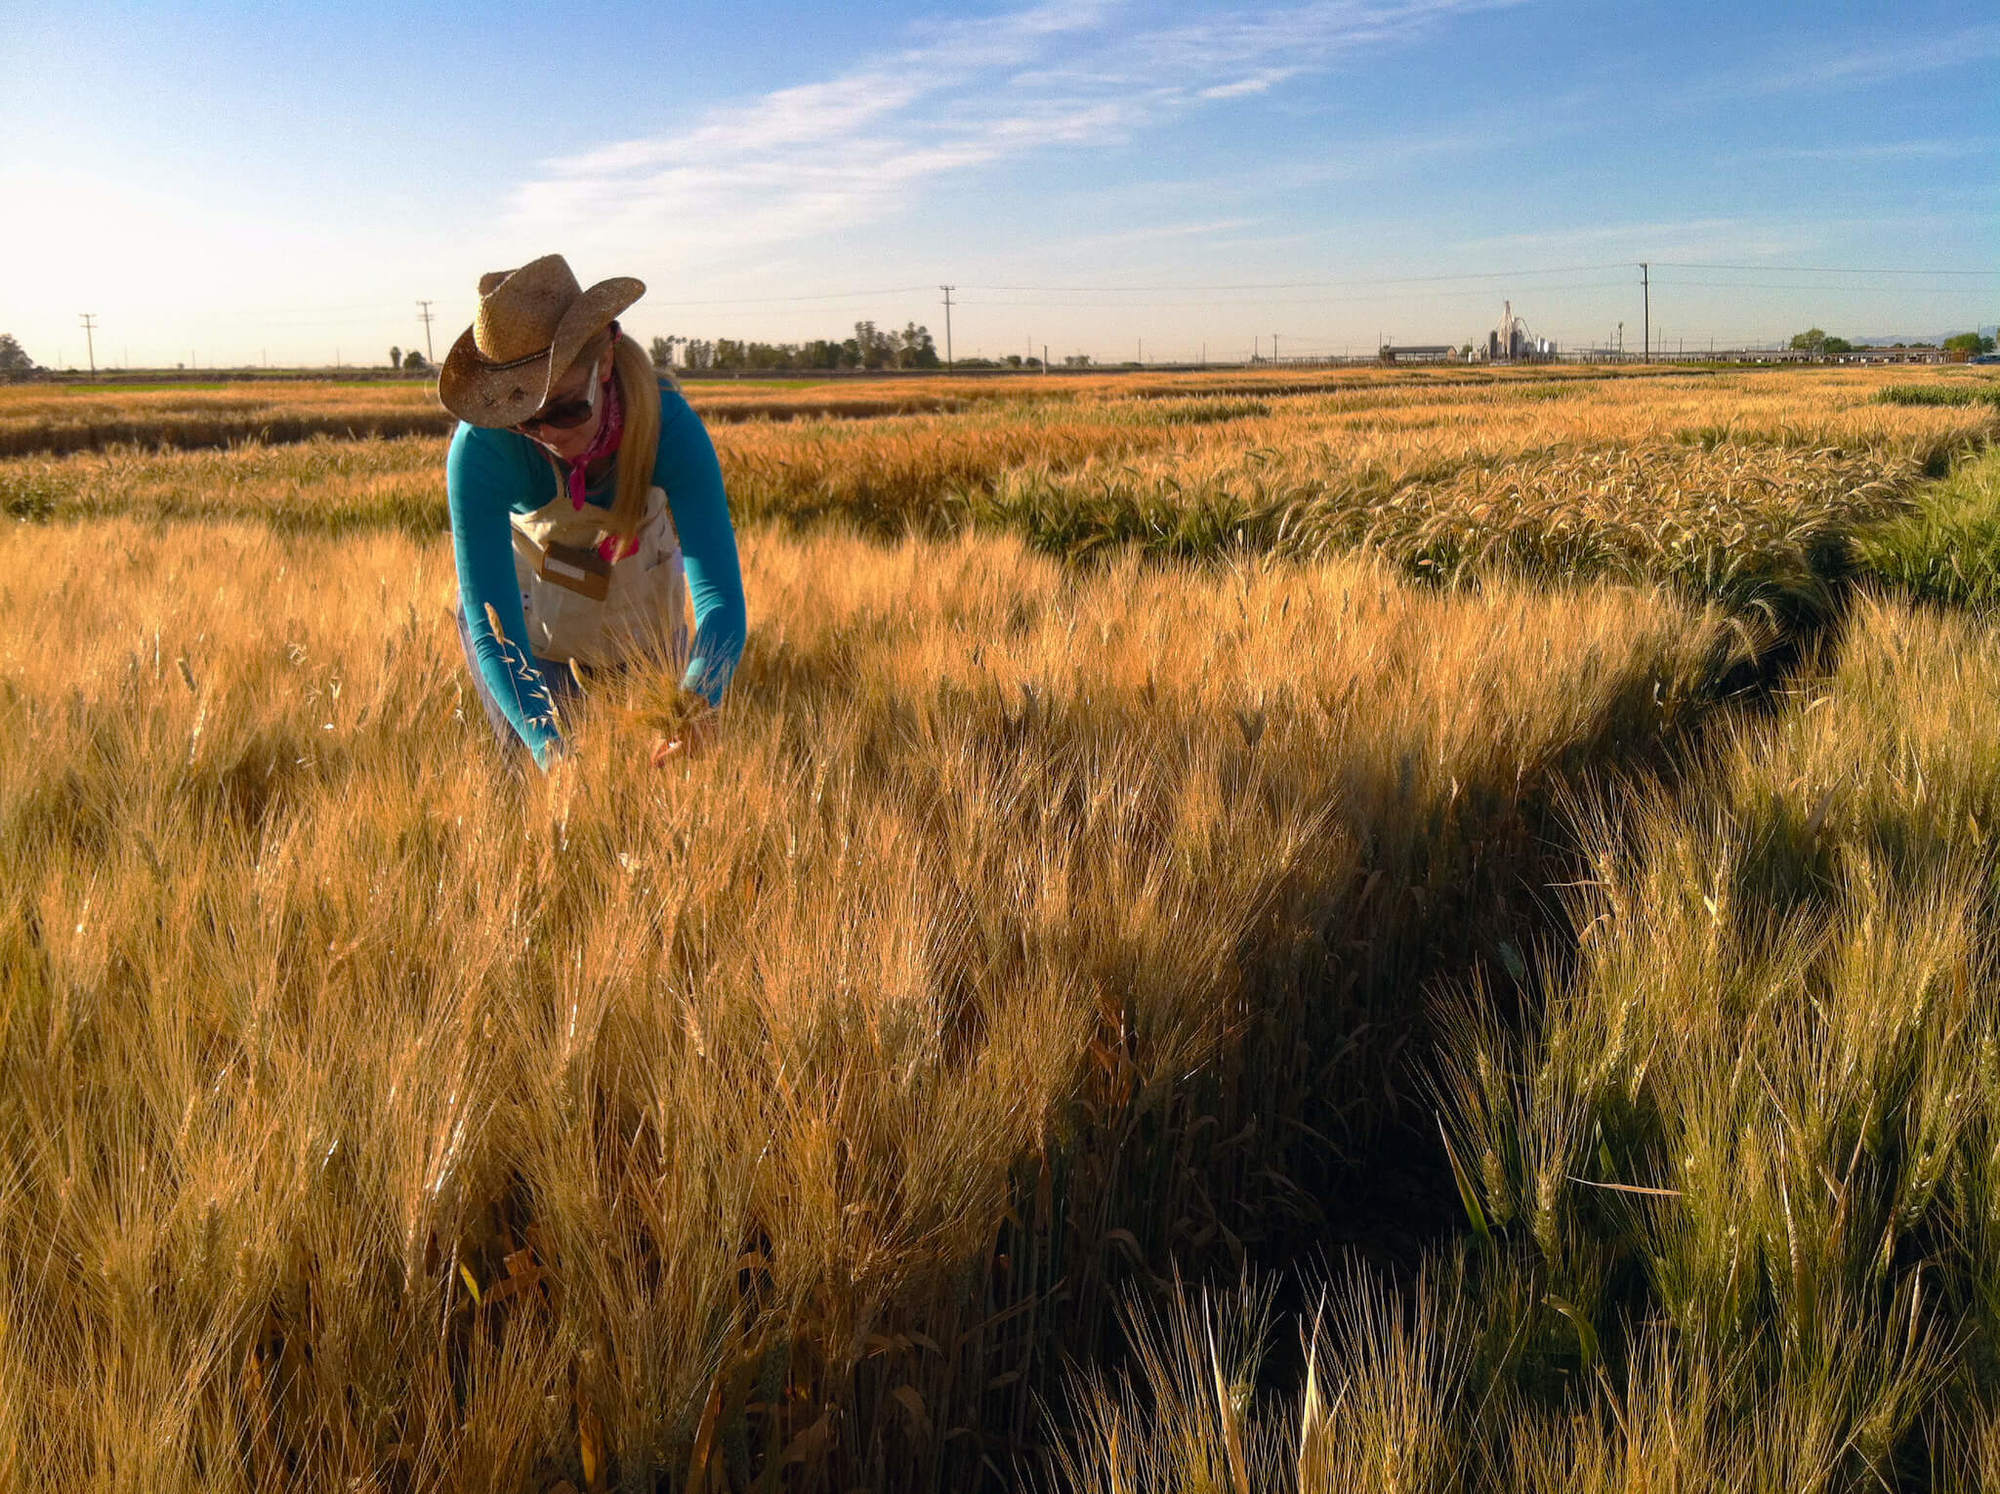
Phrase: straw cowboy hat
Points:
(532, 323)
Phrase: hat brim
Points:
(502, 394)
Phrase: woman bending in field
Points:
(586, 505)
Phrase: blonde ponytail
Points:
(639, 447)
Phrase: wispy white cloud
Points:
(1834, 70)
(1261, 82)
(1156, 233)
(1889, 150)
(1707, 238)
(1859, 67)
(826, 155)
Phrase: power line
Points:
(1442, 295)
(1815, 269)
(892, 290)
(1285, 300)
(1821, 287)
(358, 309)
(1316, 284)
(1276, 285)
(1646, 289)
(304, 316)
(322, 315)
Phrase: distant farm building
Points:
(1511, 342)
(1893, 355)
(1418, 353)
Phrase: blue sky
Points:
(229, 181)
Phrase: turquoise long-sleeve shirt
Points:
(492, 474)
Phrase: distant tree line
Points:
(1814, 340)
(16, 365)
(1015, 360)
(869, 347)
(14, 360)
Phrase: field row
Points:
(40, 418)
(35, 420)
(1744, 489)
(374, 1119)
(1734, 1193)
(367, 1119)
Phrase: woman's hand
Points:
(691, 737)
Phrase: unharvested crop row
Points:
(1947, 549)
(38, 420)
(210, 426)
(301, 396)
(372, 1118)
(1760, 527)
(1733, 1193)
(1620, 479)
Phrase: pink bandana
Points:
(608, 432)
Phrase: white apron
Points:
(644, 611)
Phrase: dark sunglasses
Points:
(565, 414)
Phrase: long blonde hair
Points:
(639, 446)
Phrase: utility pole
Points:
(89, 340)
(1045, 357)
(1142, 350)
(1256, 344)
(425, 317)
(947, 289)
(1646, 289)
(1274, 347)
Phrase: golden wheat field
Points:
(1368, 932)
(71, 418)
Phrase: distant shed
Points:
(1438, 352)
